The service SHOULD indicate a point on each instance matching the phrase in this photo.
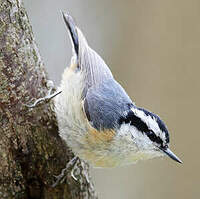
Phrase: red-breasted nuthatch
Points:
(96, 117)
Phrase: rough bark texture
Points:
(31, 152)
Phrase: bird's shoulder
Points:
(105, 103)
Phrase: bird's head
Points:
(149, 132)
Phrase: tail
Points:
(72, 31)
(88, 60)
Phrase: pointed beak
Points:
(171, 155)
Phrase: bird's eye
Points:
(165, 147)
(154, 138)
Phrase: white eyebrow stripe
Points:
(150, 122)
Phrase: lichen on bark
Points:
(31, 151)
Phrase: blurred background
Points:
(153, 50)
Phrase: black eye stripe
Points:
(154, 138)
(132, 119)
(160, 123)
(135, 121)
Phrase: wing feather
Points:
(105, 104)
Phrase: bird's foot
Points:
(70, 165)
(49, 96)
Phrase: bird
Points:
(96, 117)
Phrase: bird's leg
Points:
(49, 95)
(70, 165)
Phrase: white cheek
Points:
(134, 145)
(135, 137)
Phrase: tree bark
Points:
(31, 151)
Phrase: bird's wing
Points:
(105, 101)
(105, 104)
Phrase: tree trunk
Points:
(31, 151)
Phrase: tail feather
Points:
(88, 61)
(69, 21)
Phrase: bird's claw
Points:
(61, 178)
(49, 96)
